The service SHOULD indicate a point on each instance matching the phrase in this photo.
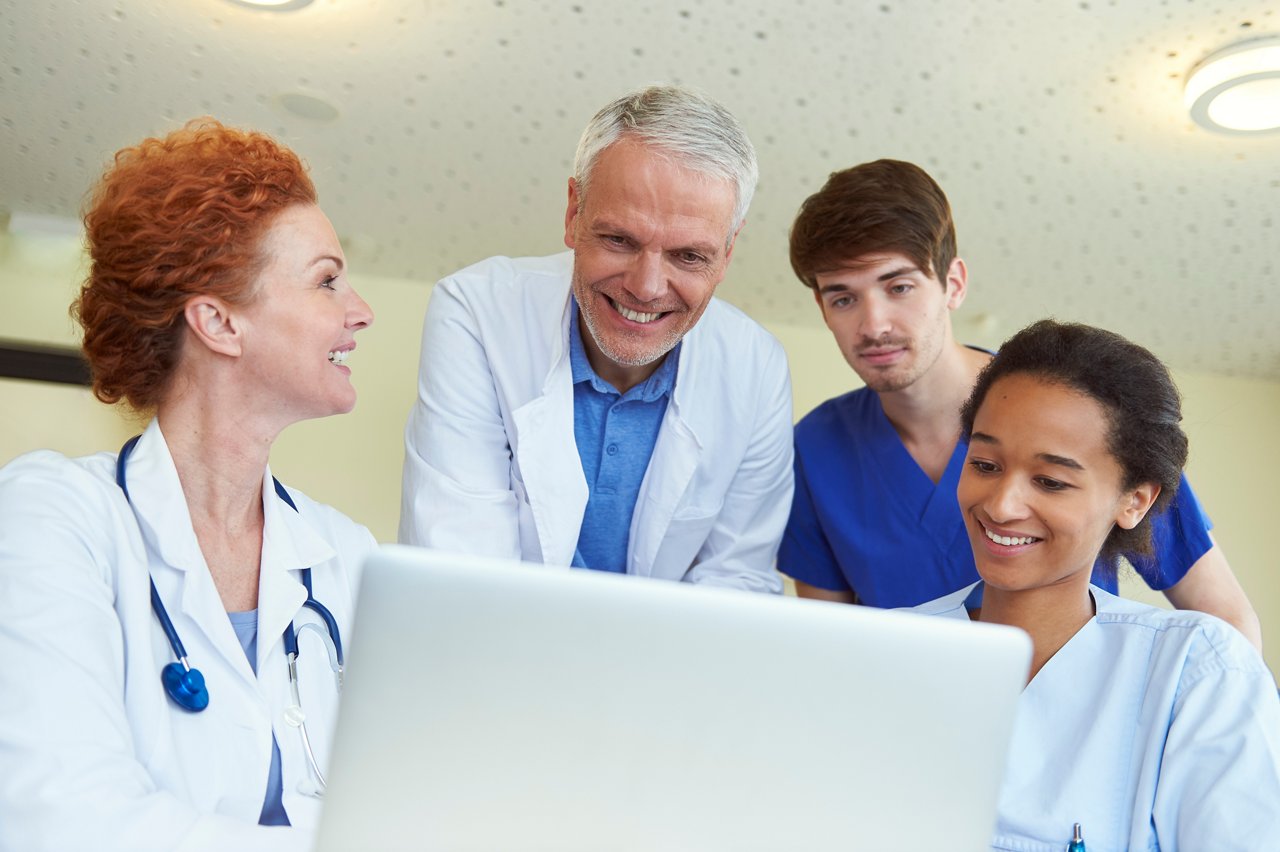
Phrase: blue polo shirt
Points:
(616, 434)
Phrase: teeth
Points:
(1008, 541)
(339, 356)
(634, 316)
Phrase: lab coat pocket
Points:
(682, 541)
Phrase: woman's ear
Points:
(1135, 505)
(211, 322)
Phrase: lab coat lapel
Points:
(178, 566)
(289, 544)
(546, 456)
(671, 468)
(155, 495)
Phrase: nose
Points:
(1006, 500)
(359, 314)
(647, 280)
(873, 319)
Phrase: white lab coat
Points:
(93, 754)
(492, 467)
(1153, 729)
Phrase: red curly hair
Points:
(174, 217)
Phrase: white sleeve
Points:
(456, 492)
(69, 774)
(743, 544)
(1219, 783)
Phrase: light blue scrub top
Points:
(273, 813)
(1153, 729)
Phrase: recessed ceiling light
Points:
(272, 5)
(308, 106)
(1237, 89)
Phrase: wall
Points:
(353, 461)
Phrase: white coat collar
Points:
(289, 544)
(155, 491)
(548, 468)
(557, 475)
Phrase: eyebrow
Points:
(322, 258)
(604, 226)
(1051, 458)
(897, 273)
(837, 287)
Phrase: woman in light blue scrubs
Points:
(1147, 728)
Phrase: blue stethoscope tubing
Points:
(184, 684)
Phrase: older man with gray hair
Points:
(601, 408)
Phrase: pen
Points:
(1077, 841)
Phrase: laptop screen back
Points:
(502, 707)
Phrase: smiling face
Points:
(1040, 489)
(651, 240)
(300, 326)
(890, 318)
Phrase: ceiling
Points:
(1080, 186)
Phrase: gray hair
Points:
(687, 126)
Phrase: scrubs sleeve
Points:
(1219, 781)
(69, 775)
(1179, 537)
(805, 554)
(457, 492)
(742, 548)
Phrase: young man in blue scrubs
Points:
(599, 408)
(875, 519)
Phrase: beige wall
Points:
(353, 462)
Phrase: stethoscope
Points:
(185, 685)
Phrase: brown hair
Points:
(171, 218)
(884, 206)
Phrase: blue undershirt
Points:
(245, 625)
(615, 434)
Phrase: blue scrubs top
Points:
(867, 518)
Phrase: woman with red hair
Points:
(168, 612)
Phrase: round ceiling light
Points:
(272, 5)
(1237, 89)
(308, 106)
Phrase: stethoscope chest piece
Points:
(185, 686)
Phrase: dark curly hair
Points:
(171, 218)
(1131, 385)
(883, 206)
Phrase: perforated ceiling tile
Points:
(1080, 186)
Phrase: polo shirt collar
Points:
(660, 384)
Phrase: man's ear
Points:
(211, 322)
(956, 283)
(571, 214)
(733, 241)
(1135, 505)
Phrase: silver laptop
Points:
(501, 707)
